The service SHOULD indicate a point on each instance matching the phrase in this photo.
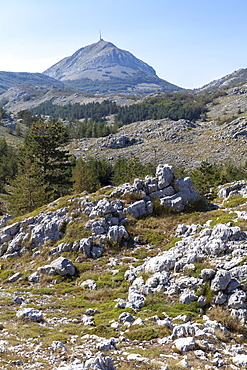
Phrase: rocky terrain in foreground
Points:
(127, 278)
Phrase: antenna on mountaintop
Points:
(100, 38)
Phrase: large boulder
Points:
(61, 266)
(165, 175)
(185, 344)
(117, 234)
(221, 280)
(100, 362)
(140, 208)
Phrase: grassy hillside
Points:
(63, 301)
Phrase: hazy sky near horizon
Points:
(188, 42)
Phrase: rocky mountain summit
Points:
(102, 67)
(127, 278)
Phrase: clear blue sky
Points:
(187, 42)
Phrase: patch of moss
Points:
(199, 266)
(235, 201)
(223, 218)
(101, 330)
(157, 302)
(5, 274)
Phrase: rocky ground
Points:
(220, 138)
(27, 97)
(181, 143)
(127, 279)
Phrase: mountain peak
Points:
(102, 54)
(104, 65)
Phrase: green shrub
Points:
(142, 333)
(5, 274)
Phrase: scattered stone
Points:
(107, 345)
(18, 300)
(31, 314)
(188, 297)
(87, 320)
(125, 317)
(240, 360)
(14, 277)
(100, 362)
(89, 283)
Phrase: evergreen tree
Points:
(44, 168)
(84, 178)
(28, 189)
(8, 163)
(92, 174)
(43, 143)
(127, 169)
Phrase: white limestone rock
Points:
(135, 298)
(239, 272)
(188, 297)
(220, 298)
(221, 280)
(125, 317)
(100, 362)
(34, 278)
(14, 277)
(185, 344)
(87, 320)
(89, 283)
(237, 299)
(240, 361)
(31, 314)
(117, 234)
(183, 330)
(207, 274)
(61, 266)
(165, 175)
(140, 208)
(107, 345)
(240, 315)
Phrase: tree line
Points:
(94, 111)
(170, 105)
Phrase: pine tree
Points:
(84, 177)
(43, 143)
(28, 189)
(44, 168)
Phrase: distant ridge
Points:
(235, 78)
(11, 79)
(103, 68)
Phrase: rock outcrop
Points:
(106, 219)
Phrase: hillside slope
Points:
(235, 78)
(11, 79)
(87, 282)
